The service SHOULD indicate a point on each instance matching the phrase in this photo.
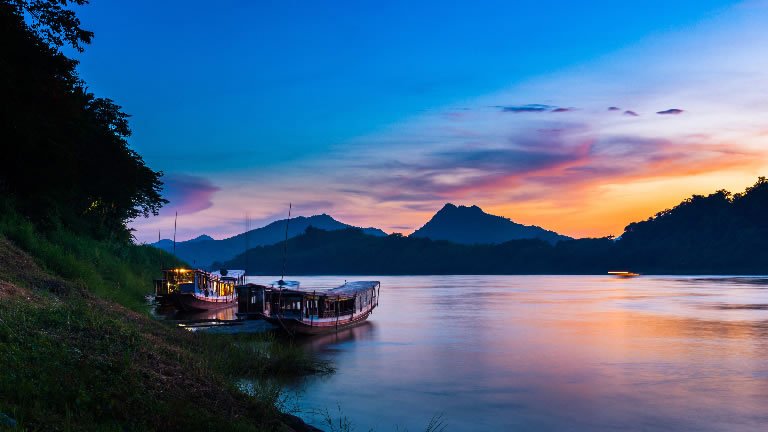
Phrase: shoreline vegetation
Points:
(74, 358)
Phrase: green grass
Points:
(70, 366)
(259, 355)
(115, 271)
(78, 350)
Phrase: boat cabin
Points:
(198, 282)
(252, 299)
(305, 311)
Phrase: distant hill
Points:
(351, 252)
(721, 233)
(199, 238)
(717, 233)
(471, 225)
(202, 251)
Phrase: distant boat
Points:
(194, 290)
(623, 274)
(301, 311)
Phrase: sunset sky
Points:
(579, 117)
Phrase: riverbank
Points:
(74, 358)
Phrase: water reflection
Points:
(223, 314)
(552, 353)
(328, 342)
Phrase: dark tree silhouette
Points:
(52, 22)
(66, 160)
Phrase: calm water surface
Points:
(550, 353)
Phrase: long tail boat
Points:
(302, 311)
(195, 290)
(623, 274)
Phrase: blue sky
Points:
(234, 99)
(257, 84)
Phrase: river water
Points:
(564, 353)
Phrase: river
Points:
(544, 353)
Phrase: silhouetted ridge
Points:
(471, 225)
(716, 234)
(204, 250)
(200, 238)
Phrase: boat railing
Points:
(331, 314)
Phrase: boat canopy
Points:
(346, 291)
(234, 274)
(349, 289)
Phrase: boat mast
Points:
(281, 282)
(247, 230)
(285, 244)
(174, 232)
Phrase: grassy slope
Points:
(113, 271)
(74, 359)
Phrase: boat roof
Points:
(352, 288)
(180, 270)
(230, 274)
(349, 289)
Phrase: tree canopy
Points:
(66, 158)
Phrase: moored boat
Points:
(301, 311)
(623, 274)
(252, 298)
(194, 290)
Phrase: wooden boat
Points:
(623, 274)
(252, 298)
(197, 290)
(301, 311)
(169, 284)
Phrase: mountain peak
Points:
(471, 225)
(204, 250)
(452, 206)
(324, 217)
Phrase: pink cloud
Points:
(188, 194)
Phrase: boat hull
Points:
(190, 303)
(295, 326)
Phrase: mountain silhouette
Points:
(203, 250)
(720, 233)
(200, 238)
(471, 225)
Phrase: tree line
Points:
(65, 157)
(721, 233)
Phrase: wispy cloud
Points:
(671, 111)
(528, 108)
(533, 108)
